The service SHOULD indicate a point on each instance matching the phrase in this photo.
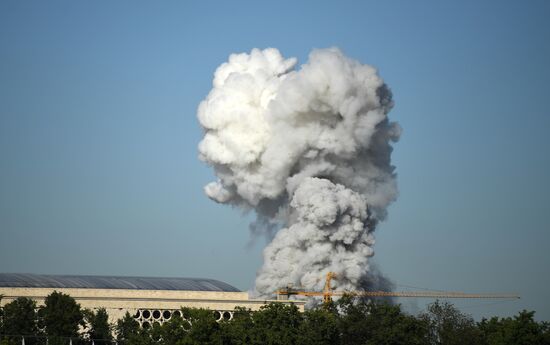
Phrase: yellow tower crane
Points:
(328, 292)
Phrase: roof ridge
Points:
(113, 282)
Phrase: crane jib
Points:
(328, 293)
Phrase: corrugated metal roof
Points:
(112, 282)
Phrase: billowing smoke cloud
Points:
(308, 149)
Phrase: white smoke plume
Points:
(308, 149)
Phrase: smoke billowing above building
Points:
(308, 149)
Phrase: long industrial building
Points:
(149, 300)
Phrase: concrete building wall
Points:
(146, 305)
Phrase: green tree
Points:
(352, 321)
(174, 330)
(368, 322)
(128, 332)
(448, 326)
(1, 320)
(99, 329)
(126, 328)
(319, 327)
(155, 333)
(201, 327)
(238, 330)
(62, 317)
(545, 326)
(522, 329)
(276, 324)
(388, 324)
(20, 319)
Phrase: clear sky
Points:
(98, 137)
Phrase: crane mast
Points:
(328, 293)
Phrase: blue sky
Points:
(98, 137)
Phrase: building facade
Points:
(149, 300)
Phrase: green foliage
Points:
(349, 321)
(201, 327)
(19, 318)
(62, 317)
(238, 330)
(100, 331)
(522, 329)
(273, 324)
(369, 322)
(448, 326)
(1, 317)
(389, 325)
(319, 327)
(174, 330)
(276, 324)
(352, 323)
(128, 332)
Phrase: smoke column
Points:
(308, 149)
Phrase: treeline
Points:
(349, 321)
